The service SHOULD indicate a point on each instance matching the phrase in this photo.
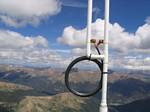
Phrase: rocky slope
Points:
(24, 89)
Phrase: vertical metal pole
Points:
(103, 105)
(89, 23)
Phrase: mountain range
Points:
(26, 89)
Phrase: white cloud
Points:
(143, 33)
(119, 39)
(14, 40)
(17, 48)
(129, 62)
(78, 51)
(74, 3)
(147, 20)
(139, 64)
(122, 42)
(19, 13)
(77, 38)
(82, 51)
(73, 37)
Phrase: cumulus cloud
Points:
(143, 33)
(10, 39)
(19, 13)
(119, 39)
(121, 43)
(77, 38)
(72, 37)
(17, 48)
(34, 57)
(78, 51)
(147, 20)
(82, 51)
(132, 62)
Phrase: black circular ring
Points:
(67, 72)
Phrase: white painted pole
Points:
(103, 105)
(89, 23)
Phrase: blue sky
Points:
(129, 15)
